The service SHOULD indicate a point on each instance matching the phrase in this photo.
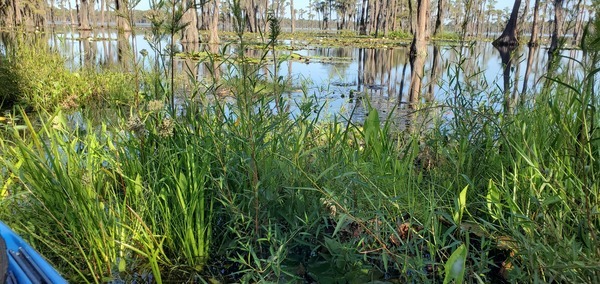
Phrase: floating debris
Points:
(374, 87)
(344, 84)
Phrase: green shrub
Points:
(452, 36)
(400, 35)
(35, 77)
(10, 90)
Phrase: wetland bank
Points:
(307, 157)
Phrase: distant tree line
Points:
(475, 18)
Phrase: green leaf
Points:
(372, 128)
(341, 222)
(455, 266)
(122, 265)
(385, 260)
(551, 200)
(494, 201)
(20, 127)
(333, 246)
(138, 185)
(461, 204)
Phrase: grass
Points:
(249, 192)
(37, 78)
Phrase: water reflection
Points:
(532, 53)
(337, 76)
(506, 53)
(89, 49)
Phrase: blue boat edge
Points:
(24, 262)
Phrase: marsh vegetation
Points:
(134, 157)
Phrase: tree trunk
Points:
(523, 19)
(578, 24)
(329, 18)
(377, 17)
(213, 37)
(473, 18)
(363, 18)
(122, 16)
(488, 25)
(18, 17)
(542, 27)
(533, 44)
(84, 15)
(124, 50)
(439, 18)
(264, 14)
(7, 16)
(71, 14)
(77, 11)
(533, 41)
(292, 16)
(189, 18)
(556, 34)
(509, 35)
(480, 18)
(394, 16)
(250, 11)
(89, 51)
(93, 14)
(386, 16)
(102, 9)
(418, 51)
(52, 19)
(411, 22)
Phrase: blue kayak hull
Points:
(25, 265)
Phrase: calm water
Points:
(338, 76)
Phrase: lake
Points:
(338, 75)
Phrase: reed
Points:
(251, 191)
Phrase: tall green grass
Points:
(36, 77)
(67, 199)
(251, 192)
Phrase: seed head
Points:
(136, 125)
(155, 105)
(165, 129)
